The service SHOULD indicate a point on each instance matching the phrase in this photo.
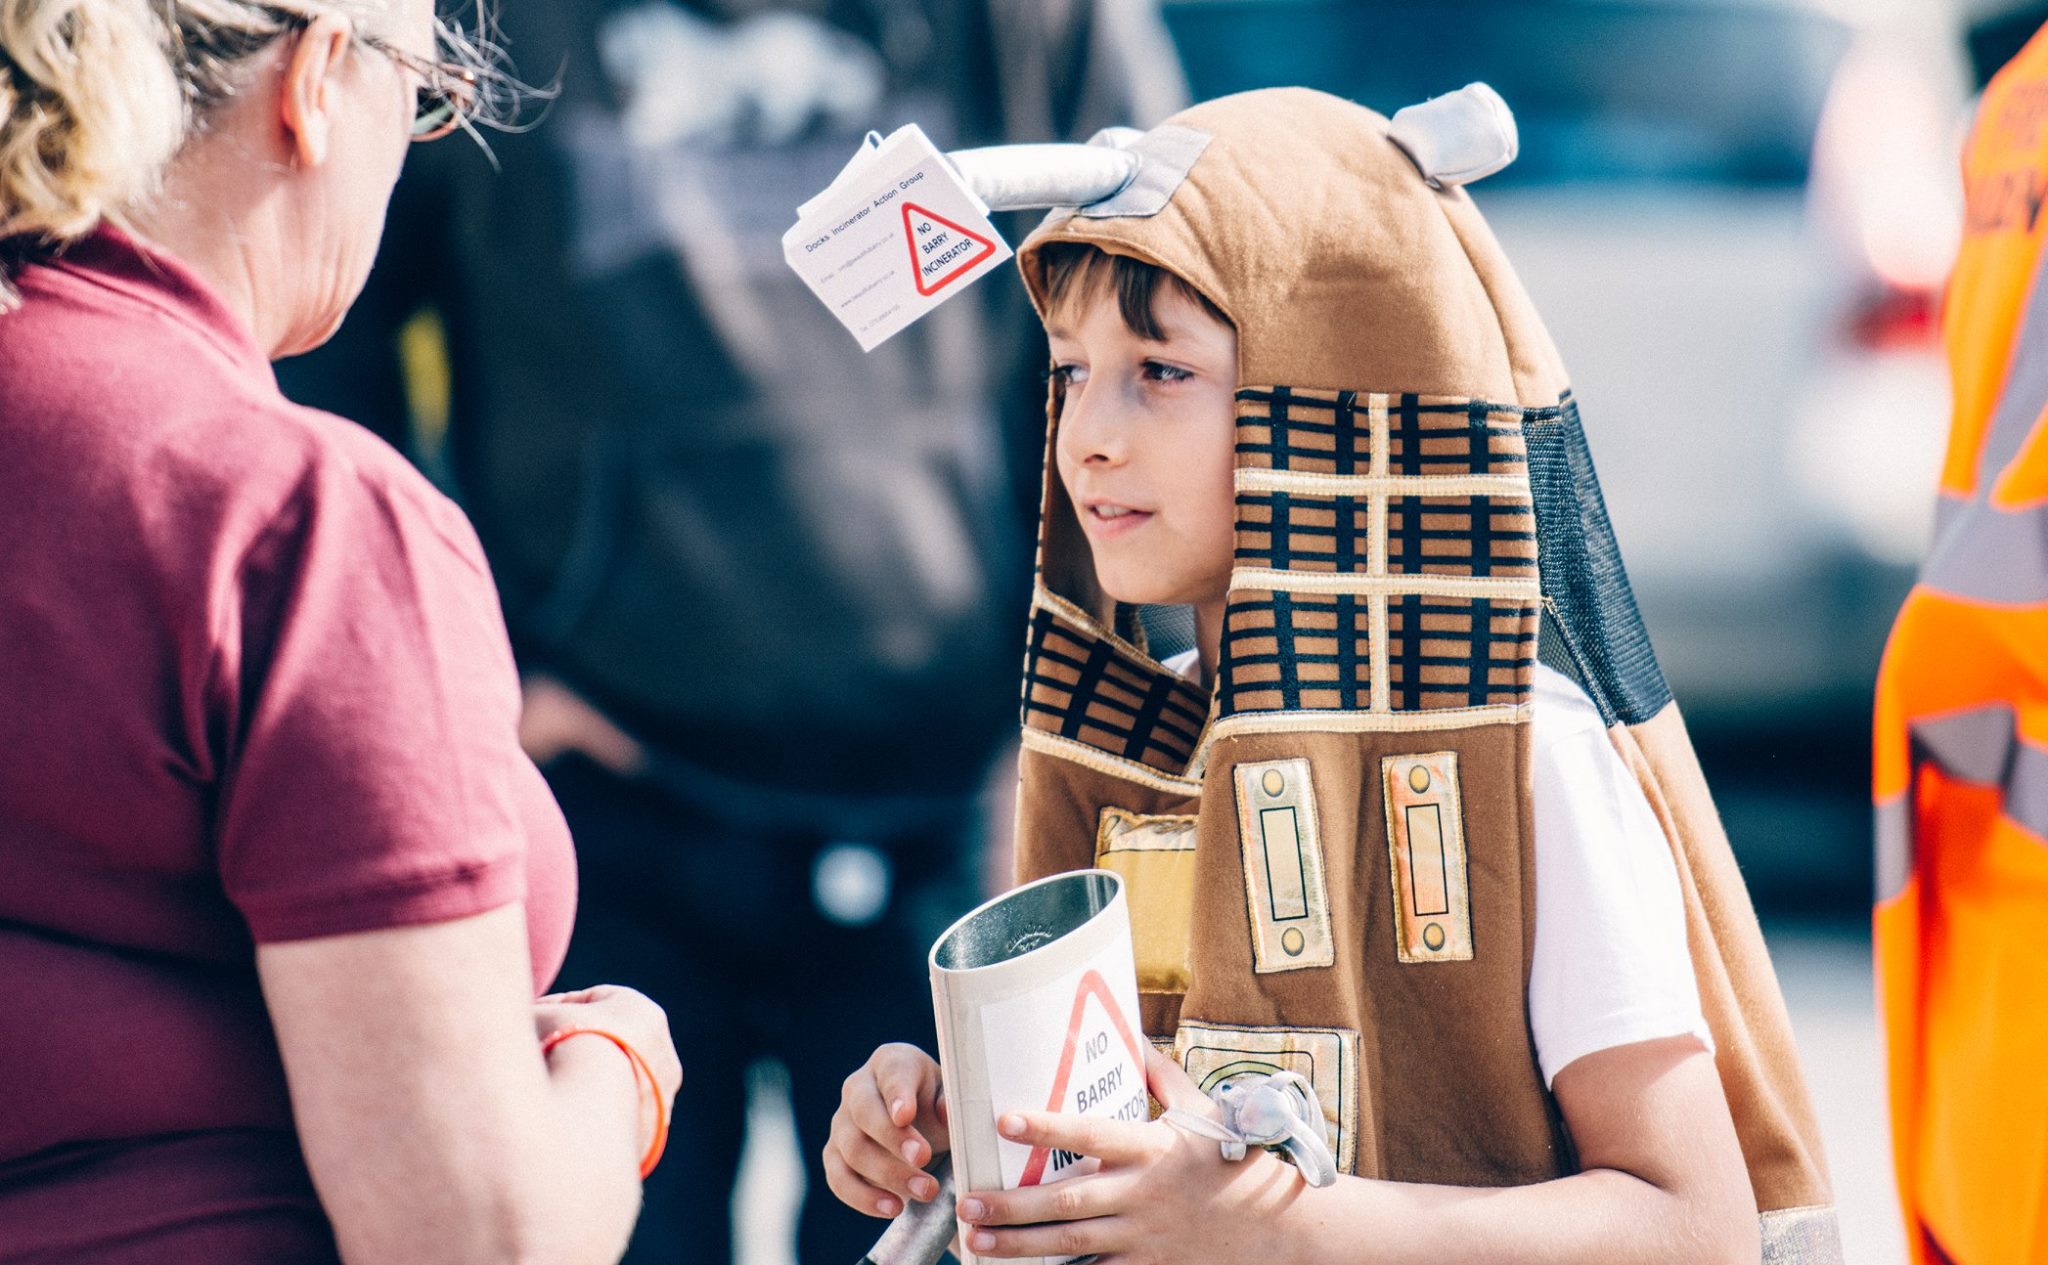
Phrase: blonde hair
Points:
(97, 96)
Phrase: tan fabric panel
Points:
(1059, 809)
(1059, 814)
(1418, 1124)
(1538, 370)
(1757, 1059)
(1434, 1037)
(1155, 856)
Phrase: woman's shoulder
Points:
(209, 490)
(131, 396)
(336, 460)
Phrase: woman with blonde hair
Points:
(277, 887)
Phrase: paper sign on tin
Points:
(1095, 1067)
(895, 235)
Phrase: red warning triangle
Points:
(1091, 985)
(941, 252)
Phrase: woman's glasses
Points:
(447, 92)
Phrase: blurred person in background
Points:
(1962, 740)
(762, 586)
(278, 886)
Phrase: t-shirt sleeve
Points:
(367, 709)
(1610, 965)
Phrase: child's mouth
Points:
(1106, 521)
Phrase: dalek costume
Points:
(1329, 859)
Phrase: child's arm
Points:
(891, 1122)
(1663, 1181)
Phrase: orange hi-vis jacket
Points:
(1962, 741)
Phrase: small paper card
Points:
(895, 235)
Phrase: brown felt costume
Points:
(1330, 859)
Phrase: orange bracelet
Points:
(640, 1068)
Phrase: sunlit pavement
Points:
(771, 1178)
(1825, 970)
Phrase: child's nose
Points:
(1094, 430)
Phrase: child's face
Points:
(1146, 444)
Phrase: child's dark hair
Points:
(1076, 269)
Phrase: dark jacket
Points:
(771, 558)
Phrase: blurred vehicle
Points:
(1735, 216)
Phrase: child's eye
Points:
(1067, 375)
(1159, 371)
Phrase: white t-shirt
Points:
(1610, 965)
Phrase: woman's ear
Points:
(310, 98)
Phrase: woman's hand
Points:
(630, 1015)
(891, 1122)
(1152, 1193)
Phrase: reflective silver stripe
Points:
(1982, 553)
(1801, 1236)
(1982, 746)
(1972, 746)
(1894, 846)
(2026, 387)
(1988, 555)
(1946, 507)
(1979, 746)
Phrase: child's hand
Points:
(1160, 1193)
(891, 1122)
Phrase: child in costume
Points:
(1477, 899)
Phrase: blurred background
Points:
(1736, 217)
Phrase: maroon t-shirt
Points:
(254, 687)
